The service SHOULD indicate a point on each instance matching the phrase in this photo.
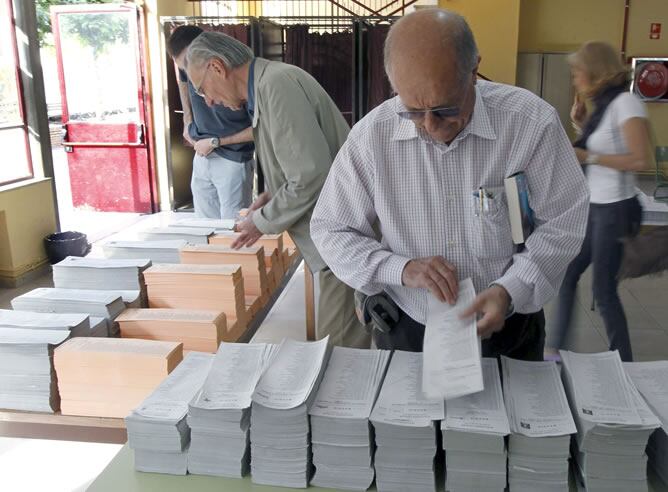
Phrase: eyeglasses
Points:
(198, 89)
(440, 112)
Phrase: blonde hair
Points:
(602, 64)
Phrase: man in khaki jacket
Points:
(298, 131)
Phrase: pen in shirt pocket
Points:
(484, 198)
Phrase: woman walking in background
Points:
(613, 143)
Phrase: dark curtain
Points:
(297, 47)
(328, 57)
(240, 32)
(379, 88)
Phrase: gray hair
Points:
(455, 32)
(210, 45)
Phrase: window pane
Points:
(95, 49)
(9, 94)
(15, 163)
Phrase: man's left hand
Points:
(203, 147)
(492, 306)
(249, 233)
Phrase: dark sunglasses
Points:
(440, 113)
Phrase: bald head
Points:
(432, 42)
(431, 60)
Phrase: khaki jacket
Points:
(298, 131)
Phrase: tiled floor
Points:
(645, 302)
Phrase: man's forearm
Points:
(245, 135)
(185, 103)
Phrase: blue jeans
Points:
(221, 187)
(608, 223)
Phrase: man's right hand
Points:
(186, 137)
(435, 274)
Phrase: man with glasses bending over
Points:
(222, 179)
(298, 130)
(417, 165)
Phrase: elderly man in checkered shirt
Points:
(413, 171)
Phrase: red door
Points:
(104, 108)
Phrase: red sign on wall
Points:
(655, 30)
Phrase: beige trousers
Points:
(336, 314)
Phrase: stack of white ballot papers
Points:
(27, 377)
(404, 422)
(342, 440)
(157, 429)
(98, 303)
(194, 235)
(474, 433)
(219, 416)
(165, 251)
(541, 425)
(77, 324)
(614, 423)
(451, 348)
(651, 379)
(202, 223)
(100, 273)
(280, 437)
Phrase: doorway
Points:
(99, 117)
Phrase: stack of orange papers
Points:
(201, 331)
(273, 253)
(256, 285)
(206, 287)
(108, 377)
(290, 252)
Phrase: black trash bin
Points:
(63, 244)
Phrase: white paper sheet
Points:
(651, 379)
(482, 412)
(13, 318)
(401, 401)
(171, 244)
(535, 399)
(21, 336)
(235, 371)
(103, 263)
(227, 224)
(451, 348)
(350, 384)
(290, 378)
(170, 399)
(600, 388)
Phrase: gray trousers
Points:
(336, 314)
(221, 187)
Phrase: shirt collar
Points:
(250, 98)
(479, 124)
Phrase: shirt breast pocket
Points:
(489, 234)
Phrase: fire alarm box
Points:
(650, 78)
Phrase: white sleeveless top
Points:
(608, 185)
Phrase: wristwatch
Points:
(215, 142)
(591, 158)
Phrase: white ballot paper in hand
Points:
(451, 351)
